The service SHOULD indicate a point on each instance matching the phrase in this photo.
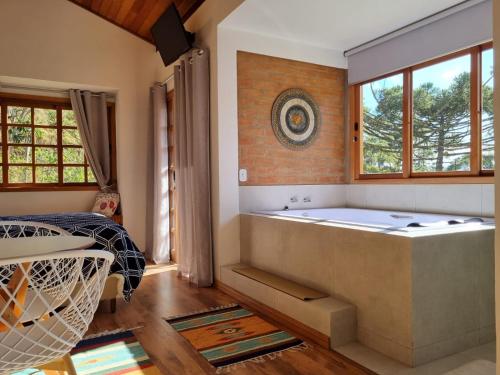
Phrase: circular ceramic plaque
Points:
(295, 118)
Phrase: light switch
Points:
(243, 175)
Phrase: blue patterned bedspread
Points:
(129, 261)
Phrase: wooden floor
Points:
(163, 294)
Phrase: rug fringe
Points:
(210, 309)
(261, 359)
(112, 332)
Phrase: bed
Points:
(127, 269)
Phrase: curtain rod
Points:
(167, 79)
(199, 51)
(43, 89)
(412, 26)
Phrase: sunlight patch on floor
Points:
(153, 269)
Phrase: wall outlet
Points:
(243, 175)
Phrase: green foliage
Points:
(71, 137)
(73, 156)
(44, 136)
(46, 175)
(74, 174)
(68, 117)
(18, 115)
(21, 132)
(45, 116)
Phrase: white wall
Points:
(465, 199)
(59, 42)
(276, 197)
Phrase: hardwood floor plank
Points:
(163, 294)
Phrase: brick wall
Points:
(260, 80)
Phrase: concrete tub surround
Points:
(419, 295)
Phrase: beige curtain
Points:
(160, 252)
(92, 118)
(192, 167)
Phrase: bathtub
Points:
(396, 220)
(421, 292)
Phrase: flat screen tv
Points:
(170, 37)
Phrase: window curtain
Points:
(91, 115)
(160, 252)
(192, 167)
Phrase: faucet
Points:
(294, 199)
(307, 199)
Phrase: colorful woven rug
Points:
(230, 336)
(109, 354)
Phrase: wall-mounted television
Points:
(170, 37)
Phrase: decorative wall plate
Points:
(295, 118)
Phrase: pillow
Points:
(106, 203)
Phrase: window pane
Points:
(20, 175)
(18, 115)
(45, 136)
(382, 125)
(441, 116)
(71, 137)
(73, 156)
(45, 116)
(68, 117)
(46, 175)
(20, 154)
(90, 175)
(487, 135)
(46, 155)
(74, 174)
(19, 134)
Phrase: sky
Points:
(441, 75)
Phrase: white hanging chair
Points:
(47, 302)
(23, 229)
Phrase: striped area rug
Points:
(112, 354)
(230, 336)
(116, 353)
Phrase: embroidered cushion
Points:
(106, 203)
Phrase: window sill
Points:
(425, 180)
(21, 188)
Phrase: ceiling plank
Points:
(137, 16)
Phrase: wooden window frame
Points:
(475, 175)
(59, 104)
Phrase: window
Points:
(487, 136)
(434, 119)
(441, 116)
(40, 145)
(382, 131)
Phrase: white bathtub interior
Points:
(383, 219)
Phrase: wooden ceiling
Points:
(137, 16)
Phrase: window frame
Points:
(59, 104)
(476, 173)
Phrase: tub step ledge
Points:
(330, 316)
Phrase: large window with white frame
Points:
(434, 119)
